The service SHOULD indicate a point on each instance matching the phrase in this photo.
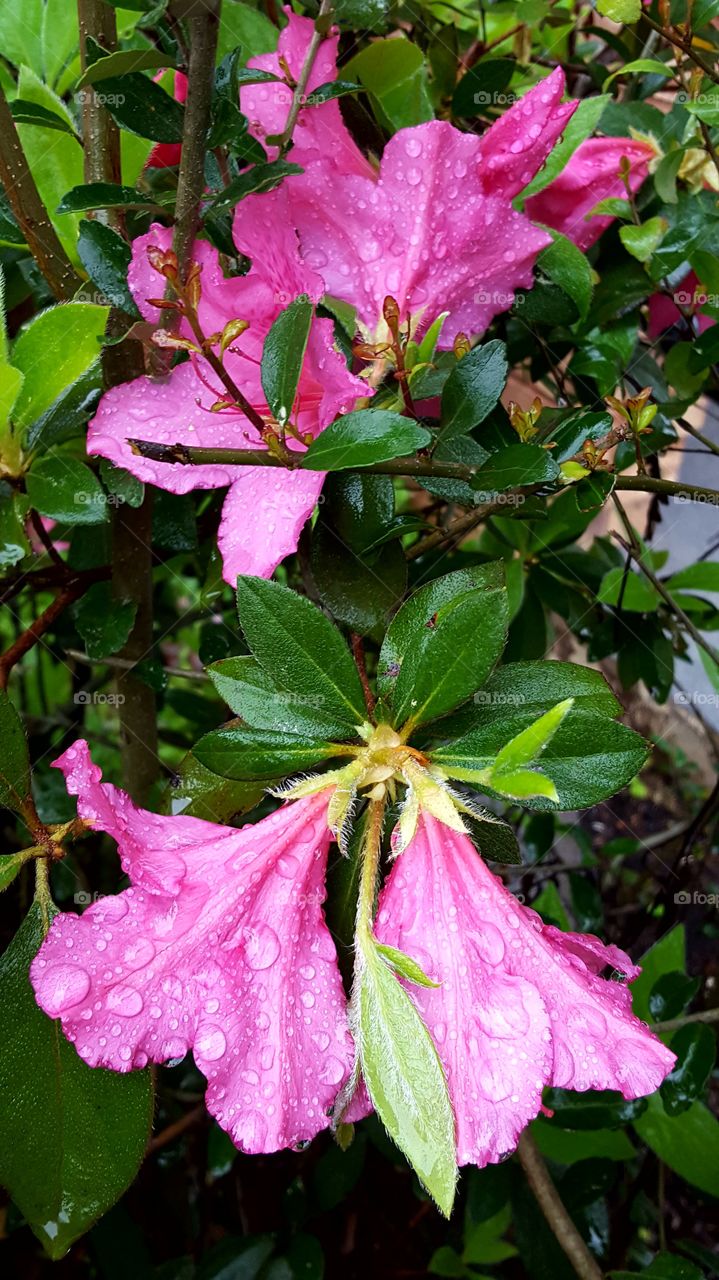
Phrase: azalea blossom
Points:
(593, 174)
(519, 1004)
(220, 946)
(265, 508)
(434, 226)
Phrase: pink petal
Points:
(664, 312)
(223, 298)
(226, 953)
(263, 515)
(513, 149)
(424, 232)
(520, 1004)
(165, 154)
(320, 130)
(592, 175)
(263, 229)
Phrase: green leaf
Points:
(495, 841)
(106, 258)
(650, 65)
(588, 759)
(68, 415)
(395, 75)
(408, 628)
(671, 994)
(14, 545)
(361, 438)
(56, 163)
(66, 490)
(103, 622)
(73, 1137)
(404, 965)
(405, 1080)
(706, 106)
(642, 241)
(14, 758)
(703, 576)
(668, 955)
(625, 11)
(11, 864)
(529, 744)
(535, 687)
(24, 112)
(582, 124)
(455, 648)
(198, 793)
(103, 195)
(123, 61)
(628, 590)
(695, 1047)
(254, 755)
(514, 466)
(523, 784)
(301, 651)
(483, 86)
(141, 106)
(260, 177)
(359, 590)
(568, 267)
(473, 389)
(687, 1143)
(52, 351)
(283, 354)
(331, 90)
(251, 694)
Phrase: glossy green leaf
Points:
(141, 106)
(331, 90)
(106, 258)
(455, 647)
(363, 437)
(14, 545)
(535, 687)
(671, 994)
(52, 351)
(260, 177)
(14, 758)
(301, 651)
(495, 841)
(121, 62)
(687, 1143)
(567, 267)
(11, 864)
(588, 759)
(251, 694)
(24, 112)
(642, 241)
(514, 466)
(283, 354)
(667, 955)
(253, 755)
(695, 1047)
(580, 126)
(473, 389)
(482, 87)
(73, 1137)
(68, 415)
(395, 75)
(626, 11)
(103, 622)
(103, 195)
(529, 743)
(66, 490)
(198, 793)
(405, 1080)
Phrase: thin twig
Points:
(359, 656)
(30, 212)
(685, 44)
(552, 1207)
(673, 1024)
(319, 35)
(29, 638)
(203, 27)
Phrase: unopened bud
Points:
(164, 261)
(461, 346)
(232, 330)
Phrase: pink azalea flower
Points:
(592, 175)
(219, 946)
(434, 227)
(265, 508)
(320, 132)
(520, 1004)
(166, 154)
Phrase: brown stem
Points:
(359, 656)
(204, 25)
(28, 639)
(685, 44)
(176, 1129)
(552, 1207)
(30, 212)
(673, 1024)
(100, 133)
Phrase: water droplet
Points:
(262, 947)
(63, 987)
(211, 1043)
(125, 1000)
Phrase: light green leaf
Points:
(55, 167)
(404, 965)
(642, 241)
(582, 124)
(52, 351)
(66, 490)
(395, 74)
(405, 1080)
(625, 11)
(525, 748)
(650, 65)
(687, 1143)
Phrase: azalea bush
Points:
(358, 692)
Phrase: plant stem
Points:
(300, 90)
(371, 852)
(673, 1024)
(685, 44)
(552, 1207)
(131, 526)
(28, 639)
(634, 549)
(204, 25)
(30, 212)
(358, 654)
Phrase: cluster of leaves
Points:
(463, 659)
